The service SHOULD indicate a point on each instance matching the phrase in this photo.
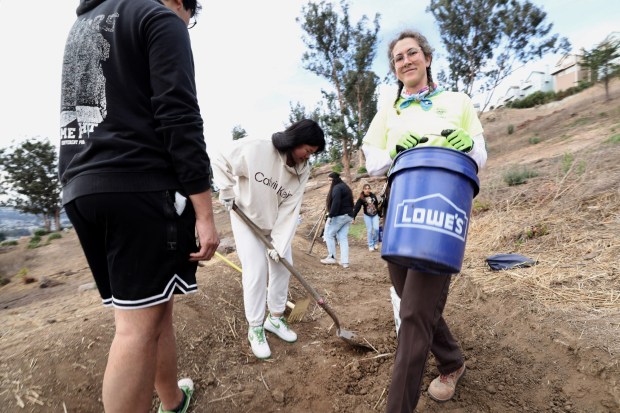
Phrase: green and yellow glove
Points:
(459, 139)
(408, 141)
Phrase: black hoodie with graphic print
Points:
(130, 120)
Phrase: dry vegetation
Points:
(538, 339)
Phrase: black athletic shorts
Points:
(137, 246)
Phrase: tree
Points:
(299, 112)
(238, 132)
(31, 179)
(602, 60)
(486, 39)
(342, 54)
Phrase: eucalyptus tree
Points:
(603, 60)
(486, 40)
(238, 132)
(30, 178)
(342, 53)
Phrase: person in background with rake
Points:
(421, 109)
(266, 180)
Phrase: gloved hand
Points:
(228, 203)
(459, 139)
(273, 254)
(407, 141)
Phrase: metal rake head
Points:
(298, 309)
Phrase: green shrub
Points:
(53, 236)
(518, 176)
(567, 161)
(8, 243)
(581, 168)
(511, 129)
(35, 242)
(362, 170)
(534, 140)
(40, 232)
(480, 206)
(337, 168)
(614, 139)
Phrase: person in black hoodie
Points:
(339, 219)
(136, 186)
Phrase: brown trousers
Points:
(422, 329)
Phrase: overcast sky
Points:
(247, 56)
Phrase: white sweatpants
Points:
(262, 278)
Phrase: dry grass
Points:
(568, 220)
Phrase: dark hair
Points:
(362, 191)
(426, 49)
(192, 6)
(335, 181)
(306, 131)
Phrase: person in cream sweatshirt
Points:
(266, 180)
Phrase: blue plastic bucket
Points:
(431, 193)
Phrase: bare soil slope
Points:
(539, 339)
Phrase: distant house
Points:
(535, 82)
(513, 93)
(568, 72)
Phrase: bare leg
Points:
(130, 374)
(166, 376)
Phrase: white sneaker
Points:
(329, 260)
(371, 248)
(279, 327)
(345, 265)
(258, 342)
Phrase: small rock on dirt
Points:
(87, 286)
(278, 396)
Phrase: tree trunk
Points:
(345, 139)
(57, 219)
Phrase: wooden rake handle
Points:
(317, 297)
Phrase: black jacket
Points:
(342, 200)
(130, 120)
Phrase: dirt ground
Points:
(539, 339)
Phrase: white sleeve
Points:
(227, 165)
(478, 152)
(378, 161)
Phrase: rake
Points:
(298, 309)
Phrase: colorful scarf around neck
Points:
(422, 97)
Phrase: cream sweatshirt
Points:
(269, 192)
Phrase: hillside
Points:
(539, 339)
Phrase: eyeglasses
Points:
(192, 22)
(399, 59)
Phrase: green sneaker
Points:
(279, 327)
(258, 342)
(187, 387)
